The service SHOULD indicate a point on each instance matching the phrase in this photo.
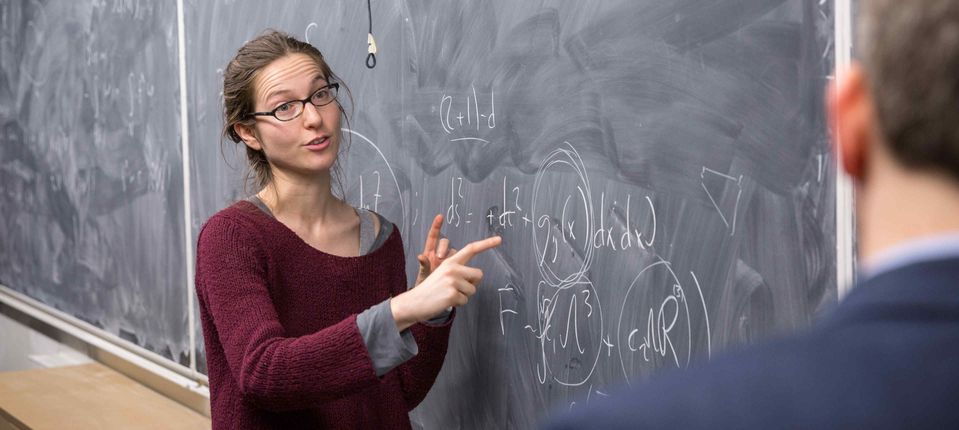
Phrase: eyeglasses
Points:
(292, 109)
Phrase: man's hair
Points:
(910, 51)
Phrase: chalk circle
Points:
(374, 168)
(572, 324)
(666, 298)
(306, 34)
(581, 199)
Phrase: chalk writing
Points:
(737, 182)
(661, 332)
(462, 119)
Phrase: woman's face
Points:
(307, 145)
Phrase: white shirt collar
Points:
(914, 251)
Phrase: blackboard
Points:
(91, 169)
(695, 126)
(659, 170)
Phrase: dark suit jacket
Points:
(887, 357)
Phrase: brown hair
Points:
(238, 95)
(910, 52)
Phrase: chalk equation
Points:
(651, 318)
(660, 315)
(466, 118)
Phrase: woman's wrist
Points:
(401, 312)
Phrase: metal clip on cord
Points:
(371, 57)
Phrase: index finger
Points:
(464, 255)
(434, 234)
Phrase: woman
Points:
(306, 315)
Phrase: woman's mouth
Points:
(318, 144)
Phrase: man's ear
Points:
(852, 116)
(248, 135)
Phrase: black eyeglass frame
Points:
(334, 86)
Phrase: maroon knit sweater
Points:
(279, 323)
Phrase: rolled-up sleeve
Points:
(387, 346)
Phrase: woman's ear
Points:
(248, 135)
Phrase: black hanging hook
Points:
(371, 57)
(370, 42)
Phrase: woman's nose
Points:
(312, 115)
